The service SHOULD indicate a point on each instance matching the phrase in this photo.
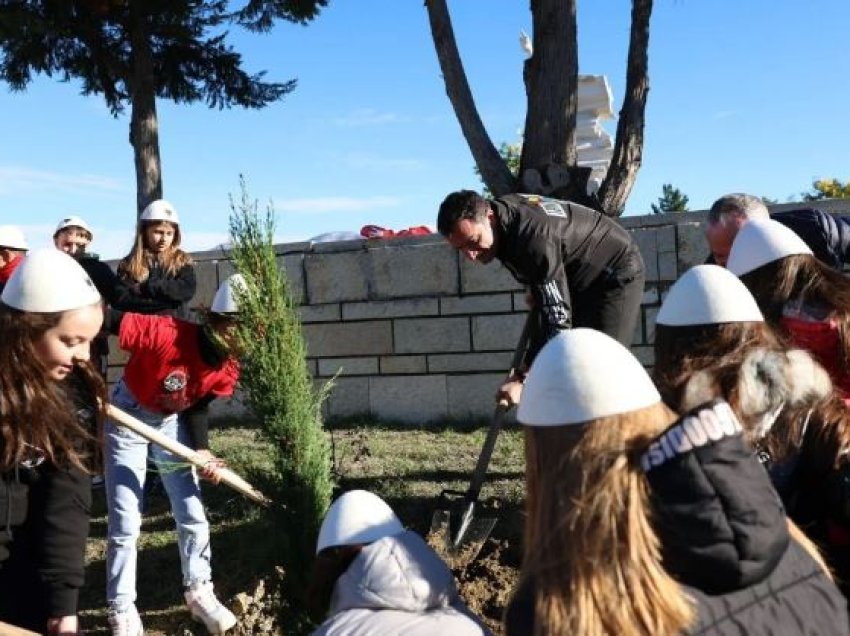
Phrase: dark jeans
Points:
(612, 305)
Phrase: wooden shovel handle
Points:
(181, 450)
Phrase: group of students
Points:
(56, 309)
(711, 497)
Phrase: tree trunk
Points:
(494, 172)
(551, 84)
(628, 147)
(144, 127)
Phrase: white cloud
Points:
(18, 179)
(319, 205)
(369, 117)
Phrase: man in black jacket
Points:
(581, 268)
(828, 236)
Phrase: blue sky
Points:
(745, 95)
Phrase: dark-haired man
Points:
(581, 268)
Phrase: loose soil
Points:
(407, 467)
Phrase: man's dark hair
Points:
(463, 204)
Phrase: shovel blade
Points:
(461, 549)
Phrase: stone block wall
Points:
(411, 331)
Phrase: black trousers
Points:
(612, 305)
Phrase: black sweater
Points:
(724, 537)
(160, 293)
(48, 545)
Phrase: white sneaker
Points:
(207, 609)
(126, 623)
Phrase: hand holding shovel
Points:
(201, 460)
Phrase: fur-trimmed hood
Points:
(768, 381)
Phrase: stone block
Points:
(649, 316)
(319, 313)
(431, 335)
(349, 396)
(117, 356)
(336, 277)
(520, 301)
(646, 241)
(390, 309)
(692, 248)
(644, 354)
(650, 295)
(666, 238)
(348, 339)
(206, 277)
(312, 367)
(476, 278)
(292, 265)
(460, 362)
(113, 374)
(229, 408)
(411, 399)
(329, 367)
(413, 270)
(400, 365)
(497, 332)
(667, 266)
(479, 304)
(638, 337)
(471, 397)
(225, 269)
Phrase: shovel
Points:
(472, 532)
(226, 475)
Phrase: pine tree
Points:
(134, 51)
(671, 200)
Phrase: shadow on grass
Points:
(365, 420)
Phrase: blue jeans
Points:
(125, 467)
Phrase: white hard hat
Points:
(763, 241)
(357, 517)
(572, 380)
(73, 221)
(160, 210)
(708, 295)
(12, 237)
(47, 281)
(225, 301)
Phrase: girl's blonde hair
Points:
(591, 553)
(136, 265)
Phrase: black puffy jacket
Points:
(724, 537)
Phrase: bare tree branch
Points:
(494, 172)
(628, 147)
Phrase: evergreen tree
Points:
(134, 51)
(278, 387)
(671, 200)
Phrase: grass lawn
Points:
(408, 467)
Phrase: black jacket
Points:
(827, 235)
(560, 251)
(160, 293)
(724, 537)
(43, 531)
